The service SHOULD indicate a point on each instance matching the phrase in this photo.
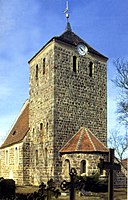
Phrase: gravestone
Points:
(7, 187)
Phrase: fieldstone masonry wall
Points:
(120, 177)
(62, 101)
(41, 116)
(80, 100)
(11, 168)
(92, 160)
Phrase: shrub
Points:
(93, 183)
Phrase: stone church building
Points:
(63, 124)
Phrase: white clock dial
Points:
(82, 49)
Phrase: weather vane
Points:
(66, 11)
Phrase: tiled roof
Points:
(69, 37)
(84, 141)
(20, 127)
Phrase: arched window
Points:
(91, 69)
(36, 72)
(67, 167)
(83, 166)
(41, 126)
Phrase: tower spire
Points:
(68, 27)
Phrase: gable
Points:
(20, 127)
(69, 37)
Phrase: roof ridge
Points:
(80, 138)
(69, 141)
(84, 141)
(87, 130)
(22, 110)
(97, 139)
(19, 114)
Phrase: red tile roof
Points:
(20, 127)
(84, 141)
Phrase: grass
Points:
(119, 194)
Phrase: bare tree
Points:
(121, 81)
(119, 142)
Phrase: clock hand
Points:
(81, 49)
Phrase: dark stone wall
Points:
(80, 100)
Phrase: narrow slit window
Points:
(41, 126)
(91, 69)
(16, 155)
(47, 127)
(6, 157)
(46, 156)
(37, 158)
(74, 64)
(33, 130)
(36, 72)
(44, 66)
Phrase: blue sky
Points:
(25, 26)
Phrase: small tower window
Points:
(91, 69)
(47, 127)
(6, 157)
(43, 66)
(37, 158)
(41, 126)
(46, 156)
(36, 72)
(74, 64)
(16, 155)
(83, 167)
(33, 130)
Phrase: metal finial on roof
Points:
(66, 11)
(68, 27)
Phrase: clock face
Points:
(82, 49)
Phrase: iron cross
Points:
(111, 166)
(73, 184)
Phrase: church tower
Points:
(67, 91)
